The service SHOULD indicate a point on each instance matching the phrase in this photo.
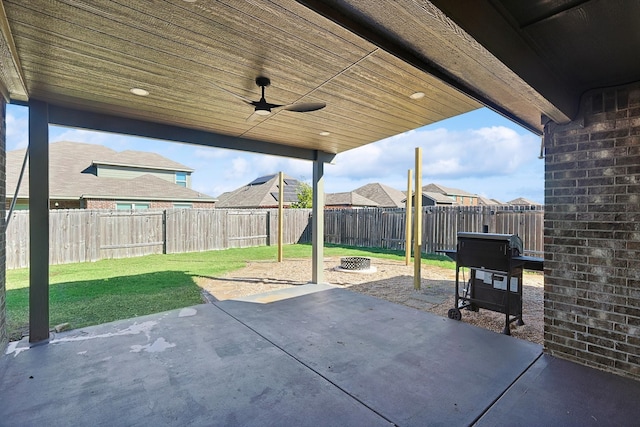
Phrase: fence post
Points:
(164, 231)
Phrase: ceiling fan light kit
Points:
(263, 108)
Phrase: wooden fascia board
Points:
(12, 84)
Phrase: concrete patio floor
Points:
(327, 357)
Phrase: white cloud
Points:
(204, 153)
(485, 152)
(495, 159)
(483, 161)
(17, 126)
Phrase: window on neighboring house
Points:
(183, 205)
(181, 179)
(131, 205)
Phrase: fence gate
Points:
(247, 228)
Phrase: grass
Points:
(92, 293)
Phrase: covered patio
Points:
(328, 357)
(186, 70)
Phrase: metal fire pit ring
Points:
(355, 264)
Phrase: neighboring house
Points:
(430, 198)
(433, 199)
(485, 201)
(383, 195)
(348, 200)
(521, 201)
(262, 192)
(460, 197)
(90, 176)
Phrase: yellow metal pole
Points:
(417, 237)
(408, 213)
(280, 214)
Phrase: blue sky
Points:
(480, 152)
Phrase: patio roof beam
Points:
(65, 116)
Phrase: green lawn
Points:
(93, 293)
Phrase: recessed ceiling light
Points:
(190, 1)
(417, 95)
(138, 91)
(325, 133)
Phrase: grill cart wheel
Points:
(455, 314)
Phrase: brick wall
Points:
(592, 234)
(3, 250)
(111, 204)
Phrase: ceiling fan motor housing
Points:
(263, 81)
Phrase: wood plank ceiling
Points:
(89, 54)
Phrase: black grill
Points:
(495, 281)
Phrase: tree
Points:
(305, 196)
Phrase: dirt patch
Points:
(392, 281)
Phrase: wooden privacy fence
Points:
(384, 228)
(79, 235)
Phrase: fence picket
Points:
(79, 235)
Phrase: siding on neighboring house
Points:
(94, 176)
(460, 197)
(123, 172)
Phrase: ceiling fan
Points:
(263, 108)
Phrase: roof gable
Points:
(349, 198)
(261, 192)
(439, 198)
(450, 191)
(384, 195)
(522, 201)
(140, 159)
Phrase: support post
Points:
(407, 210)
(417, 237)
(38, 222)
(280, 213)
(317, 222)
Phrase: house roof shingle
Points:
(437, 188)
(141, 159)
(68, 177)
(521, 201)
(385, 196)
(485, 201)
(261, 192)
(349, 198)
(439, 198)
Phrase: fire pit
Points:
(355, 264)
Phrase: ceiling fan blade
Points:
(242, 98)
(305, 107)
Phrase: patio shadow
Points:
(92, 302)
